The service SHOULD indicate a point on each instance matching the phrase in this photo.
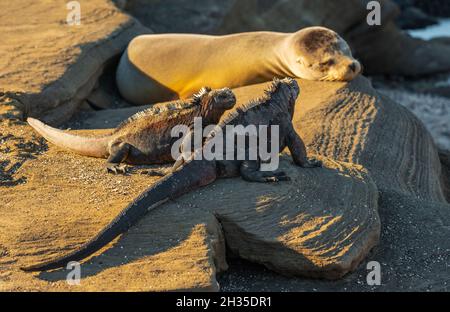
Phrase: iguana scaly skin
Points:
(144, 138)
(275, 108)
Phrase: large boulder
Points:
(444, 156)
(382, 49)
(434, 7)
(179, 16)
(67, 199)
(323, 223)
(49, 67)
(352, 122)
(413, 254)
(357, 124)
(432, 110)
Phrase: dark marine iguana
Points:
(275, 108)
(144, 138)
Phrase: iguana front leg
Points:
(118, 152)
(298, 149)
(185, 145)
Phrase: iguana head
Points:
(284, 92)
(290, 87)
(214, 102)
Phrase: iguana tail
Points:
(191, 176)
(94, 147)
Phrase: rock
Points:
(439, 8)
(49, 66)
(433, 111)
(398, 54)
(106, 95)
(444, 156)
(172, 248)
(384, 49)
(312, 234)
(414, 18)
(297, 228)
(354, 123)
(291, 15)
(321, 224)
(358, 125)
(179, 16)
(413, 255)
(441, 40)
(443, 91)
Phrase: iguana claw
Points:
(116, 169)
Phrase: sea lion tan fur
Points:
(163, 67)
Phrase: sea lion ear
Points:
(300, 60)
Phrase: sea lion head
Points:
(321, 54)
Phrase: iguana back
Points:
(145, 137)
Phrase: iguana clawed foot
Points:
(312, 163)
(277, 176)
(116, 168)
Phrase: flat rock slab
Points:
(298, 227)
(68, 198)
(413, 253)
(322, 223)
(49, 66)
(352, 122)
(179, 16)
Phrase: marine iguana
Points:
(275, 108)
(145, 137)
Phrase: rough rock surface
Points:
(175, 250)
(180, 16)
(432, 110)
(299, 227)
(352, 122)
(47, 66)
(434, 7)
(414, 18)
(382, 49)
(444, 156)
(414, 254)
(357, 124)
(321, 224)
